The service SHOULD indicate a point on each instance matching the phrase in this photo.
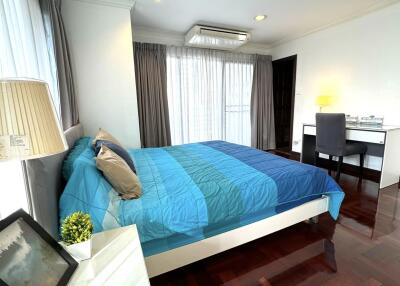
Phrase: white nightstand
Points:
(117, 259)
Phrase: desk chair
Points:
(331, 140)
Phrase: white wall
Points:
(357, 61)
(100, 41)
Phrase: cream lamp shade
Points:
(29, 127)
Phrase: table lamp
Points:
(29, 127)
(323, 101)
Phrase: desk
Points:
(383, 149)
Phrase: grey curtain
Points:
(57, 41)
(262, 105)
(151, 88)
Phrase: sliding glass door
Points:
(209, 95)
(238, 77)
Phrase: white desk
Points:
(117, 260)
(383, 149)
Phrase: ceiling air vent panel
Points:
(215, 38)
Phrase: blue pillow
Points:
(81, 151)
(120, 151)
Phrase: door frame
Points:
(294, 59)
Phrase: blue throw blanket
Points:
(197, 190)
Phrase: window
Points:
(23, 53)
(209, 95)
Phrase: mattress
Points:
(194, 191)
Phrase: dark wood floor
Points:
(361, 248)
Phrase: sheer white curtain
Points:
(209, 95)
(23, 53)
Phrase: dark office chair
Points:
(331, 140)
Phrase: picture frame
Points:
(30, 256)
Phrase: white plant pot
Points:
(80, 251)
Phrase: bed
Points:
(199, 199)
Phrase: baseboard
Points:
(368, 174)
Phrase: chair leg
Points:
(362, 156)
(330, 164)
(339, 167)
(316, 158)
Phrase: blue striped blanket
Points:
(196, 190)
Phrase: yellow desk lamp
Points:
(323, 101)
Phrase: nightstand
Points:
(117, 259)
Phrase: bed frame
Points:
(181, 256)
(45, 182)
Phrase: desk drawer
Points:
(366, 136)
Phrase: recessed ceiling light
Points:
(260, 17)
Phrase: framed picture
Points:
(30, 256)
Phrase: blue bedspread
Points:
(197, 190)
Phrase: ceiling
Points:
(287, 19)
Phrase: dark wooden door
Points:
(284, 80)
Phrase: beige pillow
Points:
(118, 173)
(104, 135)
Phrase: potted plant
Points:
(76, 233)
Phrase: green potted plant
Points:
(76, 234)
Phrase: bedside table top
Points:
(117, 259)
